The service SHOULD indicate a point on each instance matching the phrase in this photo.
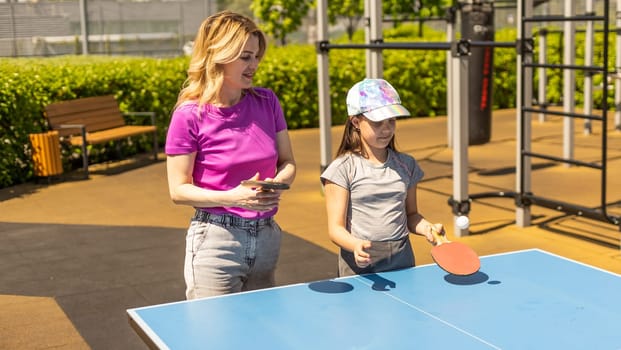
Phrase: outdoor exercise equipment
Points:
(459, 100)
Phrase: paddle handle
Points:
(440, 238)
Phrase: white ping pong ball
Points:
(462, 222)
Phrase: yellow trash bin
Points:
(46, 153)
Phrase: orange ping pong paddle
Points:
(454, 257)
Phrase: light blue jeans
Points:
(229, 254)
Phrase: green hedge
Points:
(148, 84)
(28, 84)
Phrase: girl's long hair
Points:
(220, 40)
(352, 141)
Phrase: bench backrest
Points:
(96, 113)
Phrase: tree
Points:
(418, 10)
(279, 18)
(239, 6)
(351, 12)
(404, 9)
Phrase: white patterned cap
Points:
(376, 99)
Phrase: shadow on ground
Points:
(95, 273)
(98, 169)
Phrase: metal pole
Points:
(84, 26)
(588, 61)
(569, 82)
(13, 29)
(450, 37)
(323, 81)
(543, 78)
(618, 68)
(524, 100)
(102, 32)
(460, 134)
(181, 25)
(377, 68)
(367, 37)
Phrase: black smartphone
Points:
(266, 185)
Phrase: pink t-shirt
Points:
(231, 143)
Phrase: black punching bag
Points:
(478, 25)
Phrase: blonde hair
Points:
(220, 40)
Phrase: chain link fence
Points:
(145, 28)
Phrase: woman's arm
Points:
(286, 169)
(183, 191)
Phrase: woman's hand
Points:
(255, 198)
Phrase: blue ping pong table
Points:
(528, 299)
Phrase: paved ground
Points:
(74, 255)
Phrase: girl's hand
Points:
(361, 257)
(438, 228)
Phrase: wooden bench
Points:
(95, 120)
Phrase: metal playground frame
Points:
(458, 52)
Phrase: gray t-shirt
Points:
(377, 193)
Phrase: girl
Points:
(370, 188)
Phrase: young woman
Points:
(224, 131)
(370, 188)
